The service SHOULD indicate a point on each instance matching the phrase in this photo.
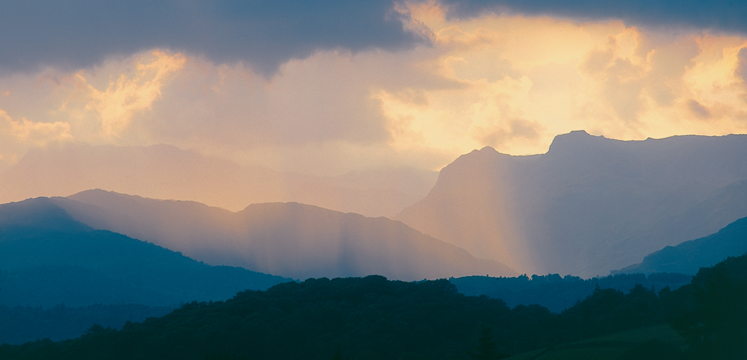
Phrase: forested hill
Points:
(373, 318)
(559, 293)
(367, 318)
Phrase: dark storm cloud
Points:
(726, 16)
(264, 33)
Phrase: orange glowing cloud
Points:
(18, 135)
(131, 93)
(525, 79)
(508, 81)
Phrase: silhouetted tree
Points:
(716, 327)
(337, 355)
(486, 347)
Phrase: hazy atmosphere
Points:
(373, 179)
(323, 88)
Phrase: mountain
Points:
(689, 256)
(590, 204)
(287, 239)
(372, 318)
(163, 171)
(47, 258)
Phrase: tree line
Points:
(374, 318)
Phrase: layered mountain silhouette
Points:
(689, 256)
(163, 171)
(287, 239)
(47, 258)
(590, 204)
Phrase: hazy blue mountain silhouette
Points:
(590, 204)
(163, 171)
(689, 256)
(47, 258)
(287, 239)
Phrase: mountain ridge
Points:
(45, 263)
(590, 204)
(288, 239)
(689, 256)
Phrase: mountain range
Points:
(287, 239)
(47, 258)
(590, 204)
(163, 171)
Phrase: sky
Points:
(326, 87)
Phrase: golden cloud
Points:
(18, 135)
(525, 79)
(131, 93)
(512, 82)
(34, 133)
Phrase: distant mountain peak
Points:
(590, 204)
(574, 141)
(40, 212)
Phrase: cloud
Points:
(741, 70)
(725, 16)
(698, 110)
(322, 98)
(18, 135)
(100, 104)
(128, 95)
(33, 133)
(512, 82)
(514, 130)
(264, 33)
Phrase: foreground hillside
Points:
(287, 239)
(590, 204)
(373, 318)
(658, 342)
(365, 318)
(47, 258)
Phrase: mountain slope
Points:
(689, 256)
(287, 239)
(590, 204)
(47, 258)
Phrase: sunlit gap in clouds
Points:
(512, 82)
(526, 79)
